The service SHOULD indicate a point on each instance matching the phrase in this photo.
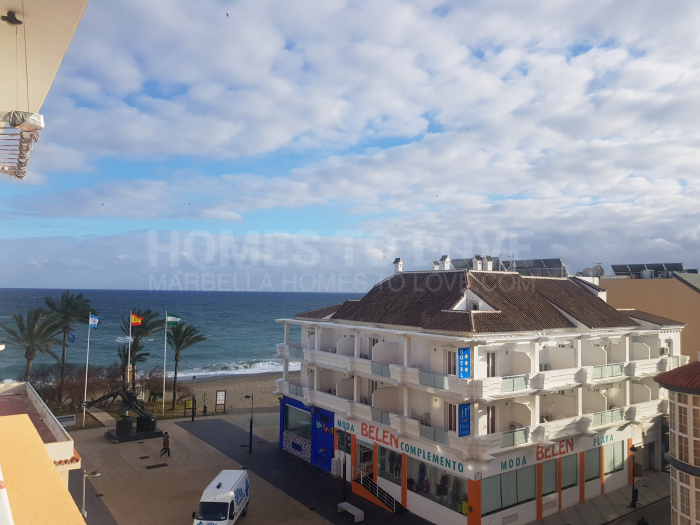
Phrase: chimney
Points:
(398, 265)
(435, 265)
(488, 263)
(445, 262)
(477, 263)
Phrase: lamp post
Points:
(250, 442)
(92, 474)
(635, 493)
(194, 396)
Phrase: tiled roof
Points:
(650, 318)
(519, 307)
(320, 313)
(590, 284)
(686, 376)
(410, 299)
(580, 304)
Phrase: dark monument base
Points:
(125, 431)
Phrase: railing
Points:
(672, 362)
(603, 371)
(380, 369)
(434, 434)
(296, 390)
(513, 437)
(380, 417)
(513, 383)
(362, 477)
(607, 417)
(434, 380)
(296, 351)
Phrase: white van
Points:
(224, 500)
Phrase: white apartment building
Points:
(475, 394)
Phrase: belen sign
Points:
(561, 448)
(379, 435)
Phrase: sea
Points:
(240, 328)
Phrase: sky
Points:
(303, 146)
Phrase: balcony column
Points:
(535, 419)
(317, 379)
(534, 358)
(406, 401)
(356, 388)
(357, 343)
(285, 369)
(475, 419)
(407, 352)
(286, 333)
(317, 339)
(578, 345)
(579, 401)
(626, 342)
(627, 393)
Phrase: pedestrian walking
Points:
(166, 445)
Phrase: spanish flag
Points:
(136, 320)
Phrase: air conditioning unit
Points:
(562, 392)
(545, 367)
(514, 426)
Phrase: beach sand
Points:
(237, 386)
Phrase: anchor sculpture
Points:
(130, 401)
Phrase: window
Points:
(508, 489)
(491, 364)
(683, 449)
(491, 419)
(682, 419)
(683, 399)
(672, 443)
(614, 457)
(696, 421)
(451, 416)
(685, 500)
(297, 422)
(592, 464)
(672, 415)
(474, 305)
(451, 363)
(390, 465)
(435, 484)
(569, 471)
(549, 477)
(373, 387)
(696, 452)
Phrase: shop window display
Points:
(436, 484)
(390, 465)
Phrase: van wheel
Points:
(245, 510)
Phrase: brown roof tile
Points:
(685, 377)
(319, 313)
(650, 318)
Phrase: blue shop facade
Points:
(307, 432)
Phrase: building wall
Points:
(668, 298)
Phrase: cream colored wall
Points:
(665, 297)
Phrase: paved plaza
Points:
(285, 490)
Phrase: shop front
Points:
(307, 432)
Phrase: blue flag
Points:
(71, 337)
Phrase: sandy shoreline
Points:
(261, 385)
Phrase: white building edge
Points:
(560, 384)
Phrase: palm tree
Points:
(146, 329)
(38, 334)
(137, 356)
(69, 309)
(182, 336)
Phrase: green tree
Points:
(38, 334)
(182, 336)
(137, 356)
(68, 309)
(149, 325)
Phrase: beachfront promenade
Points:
(285, 489)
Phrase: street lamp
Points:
(92, 474)
(250, 443)
(635, 492)
(194, 396)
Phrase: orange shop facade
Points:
(526, 484)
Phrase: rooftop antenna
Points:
(510, 256)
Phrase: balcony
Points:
(435, 434)
(515, 437)
(606, 417)
(380, 369)
(607, 371)
(671, 362)
(643, 368)
(558, 379)
(502, 442)
(561, 428)
(296, 390)
(290, 351)
(433, 380)
(337, 361)
(381, 417)
(648, 409)
(514, 383)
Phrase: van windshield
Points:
(212, 511)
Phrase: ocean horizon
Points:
(240, 328)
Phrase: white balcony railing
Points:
(381, 417)
(296, 390)
(607, 417)
(380, 369)
(514, 437)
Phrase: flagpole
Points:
(165, 350)
(128, 359)
(87, 360)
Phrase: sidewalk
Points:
(653, 486)
(102, 416)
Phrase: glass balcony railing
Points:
(380, 417)
(672, 362)
(296, 352)
(603, 371)
(513, 437)
(434, 380)
(513, 383)
(434, 434)
(380, 369)
(608, 416)
(296, 390)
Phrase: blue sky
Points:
(330, 137)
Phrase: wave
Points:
(238, 367)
